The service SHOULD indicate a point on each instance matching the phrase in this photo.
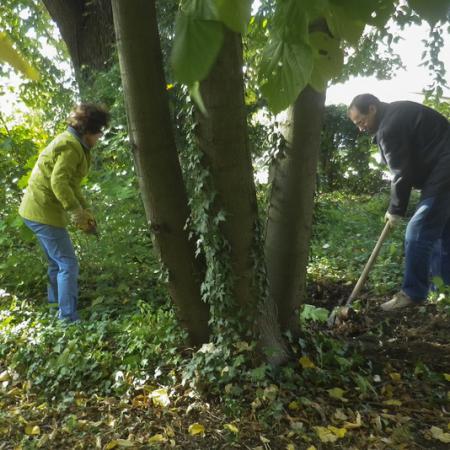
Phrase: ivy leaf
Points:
(431, 10)
(285, 70)
(196, 46)
(15, 59)
(235, 14)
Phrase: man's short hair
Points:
(88, 118)
(363, 101)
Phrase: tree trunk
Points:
(223, 139)
(291, 209)
(88, 31)
(156, 159)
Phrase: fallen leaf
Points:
(306, 363)
(32, 430)
(5, 376)
(196, 428)
(356, 424)
(395, 376)
(325, 435)
(392, 402)
(157, 438)
(447, 376)
(311, 448)
(125, 443)
(440, 435)
(290, 447)
(111, 444)
(230, 427)
(337, 393)
(160, 397)
(294, 406)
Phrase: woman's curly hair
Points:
(88, 118)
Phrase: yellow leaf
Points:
(325, 435)
(311, 448)
(290, 447)
(31, 430)
(395, 376)
(339, 432)
(125, 443)
(111, 444)
(447, 376)
(230, 427)
(356, 424)
(13, 57)
(330, 433)
(5, 376)
(306, 363)
(294, 406)
(160, 397)
(196, 428)
(337, 393)
(392, 402)
(158, 438)
(169, 86)
(440, 435)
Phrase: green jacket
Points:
(54, 185)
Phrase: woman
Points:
(53, 197)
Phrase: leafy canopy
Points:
(304, 39)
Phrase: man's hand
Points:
(84, 220)
(393, 219)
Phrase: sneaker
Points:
(398, 301)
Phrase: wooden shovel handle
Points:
(369, 264)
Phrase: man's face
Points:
(365, 122)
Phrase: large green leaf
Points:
(200, 9)
(285, 71)
(291, 21)
(328, 60)
(195, 49)
(235, 14)
(343, 26)
(15, 59)
(431, 10)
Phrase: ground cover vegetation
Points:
(128, 374)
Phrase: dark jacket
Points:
(414, 141)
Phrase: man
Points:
(414, 141)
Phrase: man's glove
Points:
(393, 219)
(84, 220)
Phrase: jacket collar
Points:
(79, 138)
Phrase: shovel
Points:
(342, 312)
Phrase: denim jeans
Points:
(62, 268)
(427, 246)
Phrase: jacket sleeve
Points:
(395, 151)
(80, 197)
(63, 177)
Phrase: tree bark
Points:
(86, 27)
(291, 209)
(156, 160)
(223, 139)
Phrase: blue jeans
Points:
(427, 246)
(62, 267)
